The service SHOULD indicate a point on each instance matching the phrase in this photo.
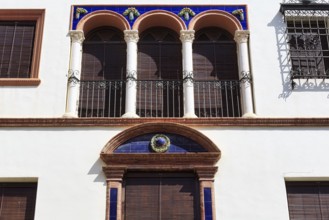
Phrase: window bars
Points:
(308, 39)
(307, 36)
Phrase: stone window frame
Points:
(203, 164)
(37, 15)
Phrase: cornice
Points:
(197, 122)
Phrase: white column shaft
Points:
(241, 37)
(131, 38)
(73, 85)
(187, 38)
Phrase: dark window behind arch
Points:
(215, 70)
(159, 74)
(102, 91)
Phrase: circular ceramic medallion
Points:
(160, 143)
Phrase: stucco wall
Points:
(249, 183)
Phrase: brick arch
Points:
(215, 18)
(102, 18)
(147, 128)
(158, 18)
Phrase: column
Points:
(131, 38)
(73, 83)
(114, 177)
(207, 195)
(187, 38)
(241, 38)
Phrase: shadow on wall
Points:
(97, 171)
(291, 85)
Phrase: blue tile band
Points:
(113, 203)
(207, 203)
(120, 9)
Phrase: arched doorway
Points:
(150, 166)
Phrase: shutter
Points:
(215, 61)
(162, 61)
(156, 196)
(17, 201)
(103, 63)
(16, 48)
(142, 199)
(308, 200)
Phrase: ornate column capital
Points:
(241, 36)
(187, 35)
(76, 36)
(131, 36)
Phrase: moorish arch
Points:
(102, 18)
(159, 18)
(215, 18)
(158, 161)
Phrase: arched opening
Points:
(159, 74)
(216, 76)
(174, 183)
(102, 18)
(102, 89)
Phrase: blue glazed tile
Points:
(174, 9)
(207, 194)
(207, 203)
(207, 218)
(113, 194)
(113, 203)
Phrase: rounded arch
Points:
(159, 18)
(102, 18)
(160, 127)
(215, 18)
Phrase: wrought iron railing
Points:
(217, 98)
(160, 98)
(102, 98)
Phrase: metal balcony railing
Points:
(160, 98)
(102, 98)
(217, 98)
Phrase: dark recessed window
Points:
(308, 39)
(103, 72)
(156, 196)
(308, 200)
(17, 201)
(20, 46)
(16, 48)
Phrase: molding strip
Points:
(198, 122)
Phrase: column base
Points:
(70, 115)
(249, 115)
(190, 115)
(130, 115)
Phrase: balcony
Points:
(160, 98)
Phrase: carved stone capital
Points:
(131, 36)
(76, 36)
(241, 36)
(187, 36)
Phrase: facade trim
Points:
(199, 122)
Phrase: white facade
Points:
(256, 158)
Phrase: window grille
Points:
(309, 52)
